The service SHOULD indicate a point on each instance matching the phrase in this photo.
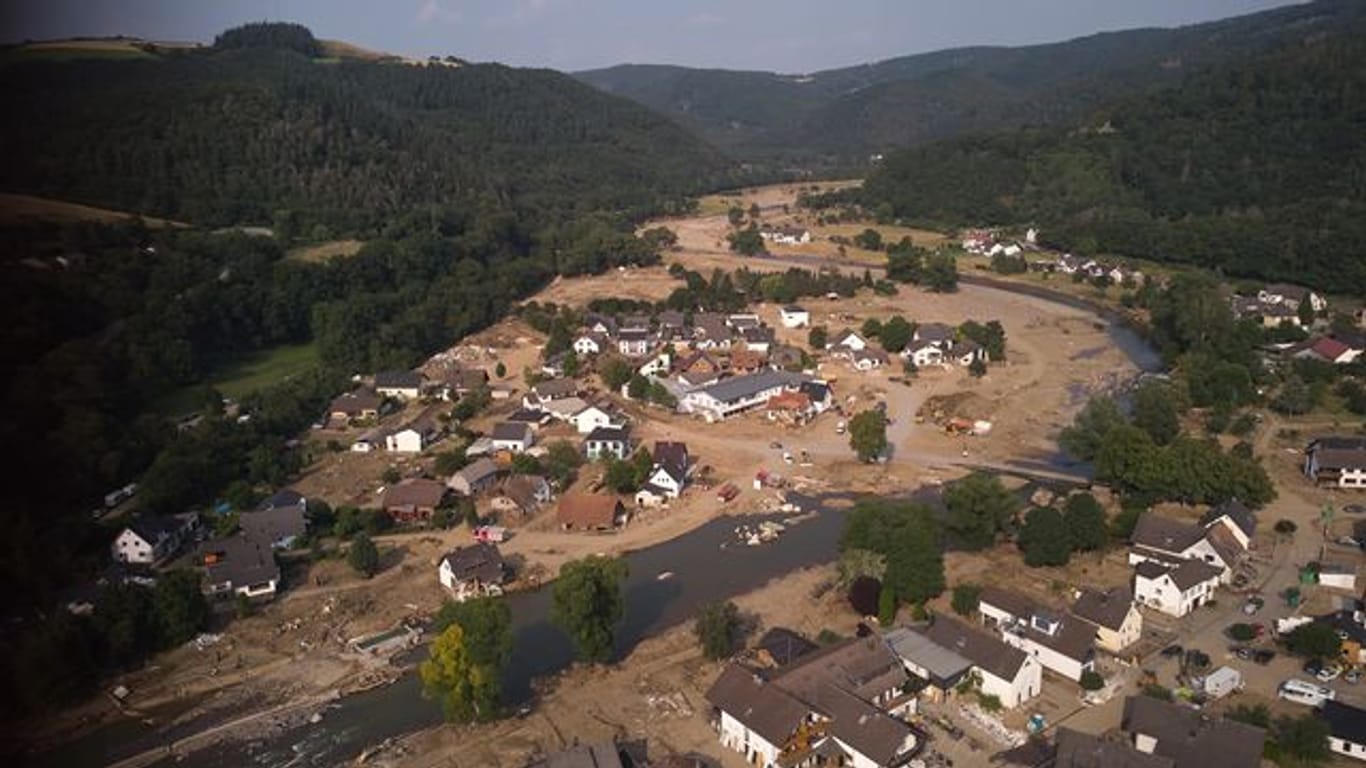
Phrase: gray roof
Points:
(740, 387)
(1238, 512)
(1344, 721)
(946, 668)
(1193, 739)
(153, 529)
(478, 471)
(784, 646)
(398, 380)
(934, 332)
(864, 666)
(555, 388)
(1165, 534)
(1083, 750)
(477, 561)
(1192, 572)
(582, 756)
(275, 524)
(511, 430)
(1072, 638)
(608, 435)
(983, 650)
(765, 709)
(285, 497)
(1106, 608)
(241, 562)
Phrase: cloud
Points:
(705, 19)
(521, 13)
(432, 12)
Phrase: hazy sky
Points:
(784, 35)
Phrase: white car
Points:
(1328, 674)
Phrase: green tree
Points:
(869, 240)
(872, 328)
(941, 273)
(868, 434)
(907, 536)
(817, 337)
(1044, 538)
(896, 334)
(1314, 641)
(1304, 739)
(855, 564)
(1305, 311)
(615, 372)
(1155, 411)
(1255, 715)
(1294, 397)
(390, 475)
(735, 215)
(979, 508)
(977, 368)
(620, 476)
(1085, 521)
(966, 598)
(746, 242)
(468, 687)
(1091, 681)
(886, 605)
(449, 462)
(1082, 440)
(500, 370)
(363, 556)
(588, 604)
(562, 460)
(717, 628)
(178, 607)
(638, 388)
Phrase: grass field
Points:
(15, 208)
(261, 370)
(328, 251)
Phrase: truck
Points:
(493, 534)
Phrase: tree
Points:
(868, 434)
(746, 242)
(1155, 411)
(1314, 641)
(562, 460)
(1255, 715)
(718, 629)
(1294, 397)
(1303, 738)
(817, 337)
(178, 607)
(1082, 440)
(1305, 311)
(979, 507)
(1044, 538)
(896, 334)
(500, 370)
(588, 604)
(364, 556)
(390, 475)
(886, 606)
(872, 328)
(1241, 632)
(615, 372)
(907, 536)
(1084, 519)
(977, 368)
(941, 273)
(735, 215)
(966, 598)
(857, 563)
(638, 388)
(869, 240)
(620, 476)
(469, 689)
(1091, 681)
(449, 462)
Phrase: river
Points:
(707, 564)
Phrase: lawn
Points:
(324, 252)
(267, 367)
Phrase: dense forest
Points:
(472, 188)
(254, 131)
(843, 115)
(1257, 169)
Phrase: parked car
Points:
(1312, 667)
(1253, 605)
(1355, 509)
(1328, 674)
(1172, 650)
(1244, 653)
(1352, 677)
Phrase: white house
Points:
(634, 342)
(1291, 296)
(1111, 612)
(923, 353)
(512, 436)
(846, 342)
(151, 539)
(938, 334)
(240, 566)
(739, 393)
(1005, 672)
(786, 235)
(1060, 642)
(1166, 542)
(604, 441)
(589, 344)
(404, 385)
(670, 471)
(473, 571)
(414, 436)
(1336, 462)
(1175, 591)
(1346, 729)
(592, 417)
(793, 316)
(867, 359)
(658, 365)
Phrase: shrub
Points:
(1092, 681)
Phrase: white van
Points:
(1304, 692)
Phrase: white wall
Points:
(1129, 633)
(1344, 747)
(1026, 685)
(734, 735)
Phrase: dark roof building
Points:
(398, 380)
(1106, 608)
(1346, 728)
(983, 650)
(478, 562)
(1165, 534)
(780, 647)
(1238, 512)
(1083, 750)
(1189, 738)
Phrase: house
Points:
(634, 342)
(352, 406)
(743, 321)
(656, 366)
(967, 352)
(606, 755)
(1330, 350)
(589, 344)
(747, 361)
(1336, 462)
(822, 397)
(414, 436)
(512, 436)
(1175, 590)
(278, 521)
(940, 668)
(923, 354)
(607, 441)
(786, 235)
(1235, 516)
(1111, 612)
(477, 570)
(1168, 542)
(1338, 576)
(757, 339)
(1346, 728)
(590, 512)
(148, 539)
(846, 342)
(565, 408)
(1292, 296)
(711, 331)
(1350, 627)
(1006, 672)
(1060, 642)
(474, 478)
(592, 417)
(554, 365)
(740, 393)
(669, 473)
(532, 418)
(463, 381)
(523, 495)
(671, 321)
(840, 703)
(867, 359)
(786, 356)
(240, 565)
(1074, 749)
(938, 334)
(544, 393)
(601, 325)
(790, 408)
(1190, 738)
(414, 499)
(793, 316)
(370, 440)
(404, 385)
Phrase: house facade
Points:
(737, 394)
(1175, 590)
(148, 540)
(793, 316)
(1061, 643)
(475, 477)
(477, 570)
(607, 441)
(1346, 729)
(592, 417)
(1005, 672)
(1112, 613)
(516, 437)
(1336, 462)
(403, 385)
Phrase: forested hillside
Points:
(257, 131)
(851, 112)
(1258, 170)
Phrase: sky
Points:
(790, 36)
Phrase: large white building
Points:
(1175, 590)
(1060, 642)
(739, 393)
(1111, 612)
(1338, 462)
(1005, 672)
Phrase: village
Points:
(517, 450)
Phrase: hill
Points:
(278, 132)
(854, 111)
(1257, 169)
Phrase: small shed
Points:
(1221, 682)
